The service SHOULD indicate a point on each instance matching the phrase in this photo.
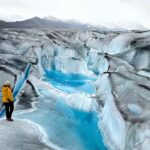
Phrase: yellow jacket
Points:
(7, 95)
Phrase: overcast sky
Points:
(100, 12)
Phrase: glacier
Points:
(87, 90)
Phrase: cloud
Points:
(12, 4)
(141, 4)
(15, 10)
(98, 12)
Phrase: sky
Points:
(98, 12)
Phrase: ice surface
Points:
(111, 120)
(135, 109)
(22, 135)
(106, 72)
(76, 126)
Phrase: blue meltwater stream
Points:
(67, 127)
(70, 83)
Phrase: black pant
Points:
(9, 109)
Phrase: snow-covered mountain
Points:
(48, 22)
(82, 82)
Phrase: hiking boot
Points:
(10, 119)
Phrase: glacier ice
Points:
(115, 86)
(135, 109)
(111, 120)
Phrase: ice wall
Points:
(120, 60)
(111, 121)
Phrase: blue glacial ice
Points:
(21, 80)
(120, 59)
(65, 126)
(70, 82)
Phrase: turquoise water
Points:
(70, 83)
(65, 126)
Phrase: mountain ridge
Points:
(37, 22)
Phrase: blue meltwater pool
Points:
(65, 126)
(70, 82)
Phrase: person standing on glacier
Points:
(8, 100)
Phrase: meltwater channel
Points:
(67, 127)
